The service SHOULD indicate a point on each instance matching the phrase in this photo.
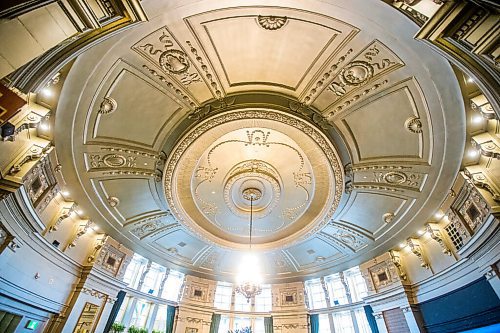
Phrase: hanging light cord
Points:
(251, 220)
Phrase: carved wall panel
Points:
(142, 107)
(264, 68)
(138, 199)
(374, 206)
(389, 109)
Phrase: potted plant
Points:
(133, 329)
(117, 328)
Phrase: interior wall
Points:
(474, 305)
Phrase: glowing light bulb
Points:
(46, 92)
(473, 153)
(438, 215)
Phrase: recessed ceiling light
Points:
(477, 119)
(470, 80)
(79, 212)
(213, 192)
(473, 153)
(439, 215)
(402, 245)
(46, 92)
(65, 193)
(420, 232)
(44, 126)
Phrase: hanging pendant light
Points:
(249, 277)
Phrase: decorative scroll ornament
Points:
(417, 250)
(272, 22)
(396, 260)
(436, 235)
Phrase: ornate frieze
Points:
(98, 294)
(162, 49)
(351, 80)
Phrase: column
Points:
(379, 318)
(152, 317)
(128, 313)
(349, 299)
(413, 319)
(493, 278)
(162, 284)
(328, 303)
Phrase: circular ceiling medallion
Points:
(276, 158)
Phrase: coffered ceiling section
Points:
(344, 127)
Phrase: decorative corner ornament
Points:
(108, 105)
(272, 22)
(388, 217)
(414, 125)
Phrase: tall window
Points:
(240, 323)
(258, 326)
(222, 299)
(241, 303)
(224, 324)
(357, 284)
(140, 313)
(362, 321)
(153, 279)
(342, 321)
(123, 307)
(324, 323)
(336, 290)
(134, 270)
(161, 319)
(173, 286)
(264, 301)
(315, 294)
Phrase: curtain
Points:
(314, 323)
(214, 325)
(268, 325)
(371, 319)
(114, 311)
(170, 319)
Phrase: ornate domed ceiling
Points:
(349, 130)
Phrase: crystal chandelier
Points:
(249, 279)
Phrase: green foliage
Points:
(133, 329)
(158, 331)
(117, 328)
(241, 330)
